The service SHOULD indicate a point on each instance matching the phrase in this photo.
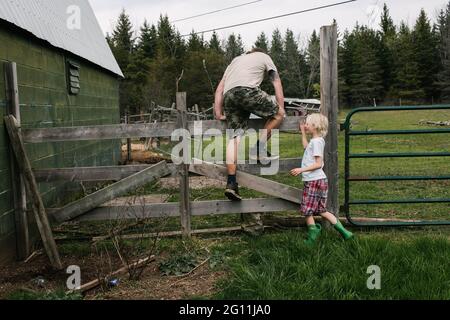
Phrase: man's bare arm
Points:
(218, 101)
(278, 86)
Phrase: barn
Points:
(66, 76)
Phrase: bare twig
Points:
(209, 78)
(179, 79)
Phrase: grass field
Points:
(280, 266)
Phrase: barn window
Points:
(73, 78)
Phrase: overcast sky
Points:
(363, 11)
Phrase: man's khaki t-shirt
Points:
(248, 70)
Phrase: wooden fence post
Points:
(18, 186)
(197, 111)
(183, 171)
(38, 206)
(330, 108)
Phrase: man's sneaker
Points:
(232, 192)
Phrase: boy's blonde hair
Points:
(319, 122)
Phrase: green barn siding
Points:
(45, 103)
(7, 223)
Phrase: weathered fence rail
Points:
(116, 173)
(198, 208)
(146, 130)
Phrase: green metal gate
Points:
(349, 155)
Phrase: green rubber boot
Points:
(313, 233)
(347, 235)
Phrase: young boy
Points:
(315, 181)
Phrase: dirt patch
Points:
(36, 276)
(154, 286)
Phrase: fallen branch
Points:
(35, 253)
(95, 283)
(170, 233)
(435, 123)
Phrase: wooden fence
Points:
(128, 178)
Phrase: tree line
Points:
(393, 64)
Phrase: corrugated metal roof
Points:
(47, 20)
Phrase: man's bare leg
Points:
(265, 135)
(273, 123)
(232, 191)
(232, 151)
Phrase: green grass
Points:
(281, 266)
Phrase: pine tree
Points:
(262, 42)
(366, 76)
(122, 39)
(388, 29)
(214, 43)
(277, 50)
(148, 41)
(233, 48)
(407, 83)
(345, 65)
(167, 45)
(122, 46)
(195, 43)
(293, 81)
(443, 33)
(313, 65)
(388, 35)
(426, 55)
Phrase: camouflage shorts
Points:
(240, 102)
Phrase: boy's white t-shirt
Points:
(315, 148)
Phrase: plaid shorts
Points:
(314, 201)
(240, 102)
